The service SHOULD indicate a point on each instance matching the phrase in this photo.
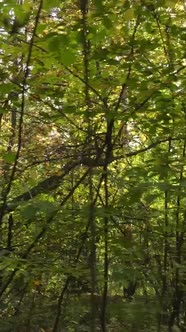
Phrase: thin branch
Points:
(89, 86)
(42, 233)
(19, 145)
(68, 280)
(49, 184)
(54, 181)
(124, 85)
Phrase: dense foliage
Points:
(93, 165)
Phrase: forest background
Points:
(92, 165)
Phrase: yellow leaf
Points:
(37, 282)
(129, 14)
(171, 3)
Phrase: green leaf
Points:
(9, 157)
(99, 6)
(67, 56)
(58, 45)
(69, 109)
(3, 110)
(7, 88)
(49, 4)
(31, 210)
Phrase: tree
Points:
(92, 165)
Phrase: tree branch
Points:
(54, 181)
